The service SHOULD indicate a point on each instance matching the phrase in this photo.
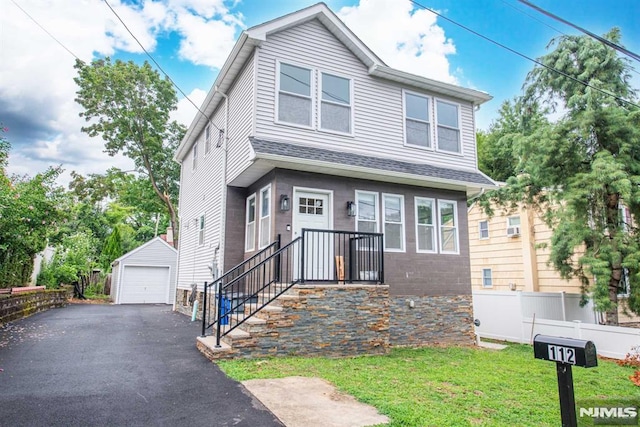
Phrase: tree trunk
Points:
(612, 314)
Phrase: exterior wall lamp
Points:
(285, 203)
(351, 209)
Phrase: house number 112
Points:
(562, 354)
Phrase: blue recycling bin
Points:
(225, 309)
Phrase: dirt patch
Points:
(88, 301)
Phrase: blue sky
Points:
(191, 38)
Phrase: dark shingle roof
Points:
(323, 155)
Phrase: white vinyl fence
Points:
(519, 316)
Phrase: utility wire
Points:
(522, 55)
(45, 30)
(160, 68)
(587, 32)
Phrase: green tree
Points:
(112, 250)
(583, 171)
(129, 106)
(498, 149)
(29, 214)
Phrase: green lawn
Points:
(451, 386)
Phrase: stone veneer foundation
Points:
(345, 320)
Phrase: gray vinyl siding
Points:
(240, 120)
(201, 191)
(378, 112)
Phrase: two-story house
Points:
(306, 128)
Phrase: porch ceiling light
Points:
(351, 209)
(285, 203)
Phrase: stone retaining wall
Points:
(432, 320)
(21, 305)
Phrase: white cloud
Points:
(404, 38)
(205, 42)
(186, 111)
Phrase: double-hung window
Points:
(425, 224)
(416, 121)
(294, 95)
(207, 139)
(194, 154)
(483, 230)
(448, 129)
(487, 280)
(367, 203)
(201, 230)
(336, 103)
(250, 228)
(393, 208)
(265, 216)
(448, 222)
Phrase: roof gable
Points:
(155, 240)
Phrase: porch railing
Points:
(317, 255)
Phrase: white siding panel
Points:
(378, 122)
(201, 191)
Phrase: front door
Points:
(312, 210)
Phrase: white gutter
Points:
(223, 219)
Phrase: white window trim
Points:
(207, 140)
(351, 106)
(436, 125)
(267, 217)
(312, 94)
(194, 156)
(457, 227)
(480, 230)
(431, 118)
(402, 222)
(435, 226)
(376, 208)
(248, 248)
(202, 225)
(490, 285)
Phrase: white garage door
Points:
(144, 285)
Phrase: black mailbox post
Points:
(566, 352)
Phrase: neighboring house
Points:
(306, 128)
(145, 275)
(510, 252)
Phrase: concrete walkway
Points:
(108, 365)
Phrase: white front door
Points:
(312, 210)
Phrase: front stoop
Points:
(328, 320)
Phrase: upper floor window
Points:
(194, 153)
(448, 218)
(416, 121)
(201, 230)
(207, 140)
(448, 129)
(294, 95)
(250, 226)
(367, 203)
(425, 225)
(393, 208)
(483, 229)
(265, 217)
(335, 108)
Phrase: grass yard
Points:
(451, 386)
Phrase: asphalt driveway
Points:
(109, 365)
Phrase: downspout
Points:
(223, 219)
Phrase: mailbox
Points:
(565, 350)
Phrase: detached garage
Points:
(146, 275)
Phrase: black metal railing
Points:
(342, 256)
(317, 255)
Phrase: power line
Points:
(522, 55)
(587, 32)
(45, 30)
(160, 68)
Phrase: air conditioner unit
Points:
(513, 231)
